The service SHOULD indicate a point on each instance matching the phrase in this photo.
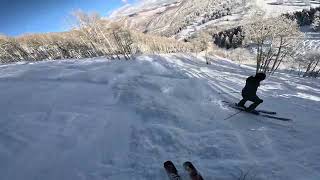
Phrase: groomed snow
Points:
(120, 120)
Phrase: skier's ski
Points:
(258, 113)
(266, 112)
(192, 171)
(171, 171)
(258, 110)
(275, 117)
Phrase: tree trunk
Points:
(314, 67)
(259, 54)
(308, 69)
(278, 54)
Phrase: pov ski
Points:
(192, 171)
(171, 170)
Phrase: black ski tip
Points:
(188, 166)
(193, 172)
(170, 167)
(167, 163)
(187, 163)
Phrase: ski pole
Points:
(232, 115)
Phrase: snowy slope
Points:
(120, 120)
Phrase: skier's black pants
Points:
(255, 99)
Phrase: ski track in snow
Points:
(111, 120)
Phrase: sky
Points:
(18, 17)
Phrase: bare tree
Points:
(107, 38)
(310, 63)
(274, 39)
(92, 36)
(11, 50)
(204, 43)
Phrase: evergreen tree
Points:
(306, 19)
(237, 40)
(223, 41)
(234, 41)
(227, 43)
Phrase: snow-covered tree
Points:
(205, 40)
(310, 63)
(237, 40)
(228, 43)
(273, 38)
(316, 21)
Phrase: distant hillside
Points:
(182, 18)
(169, 19)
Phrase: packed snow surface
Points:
(99, 119)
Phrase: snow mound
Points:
(120, 120)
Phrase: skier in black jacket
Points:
(249, 92)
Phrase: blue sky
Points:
(33, 16)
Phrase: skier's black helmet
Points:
(261, 76)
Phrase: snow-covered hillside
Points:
(182, 18)
(141, 6)
(120, 120)
(168, 19)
